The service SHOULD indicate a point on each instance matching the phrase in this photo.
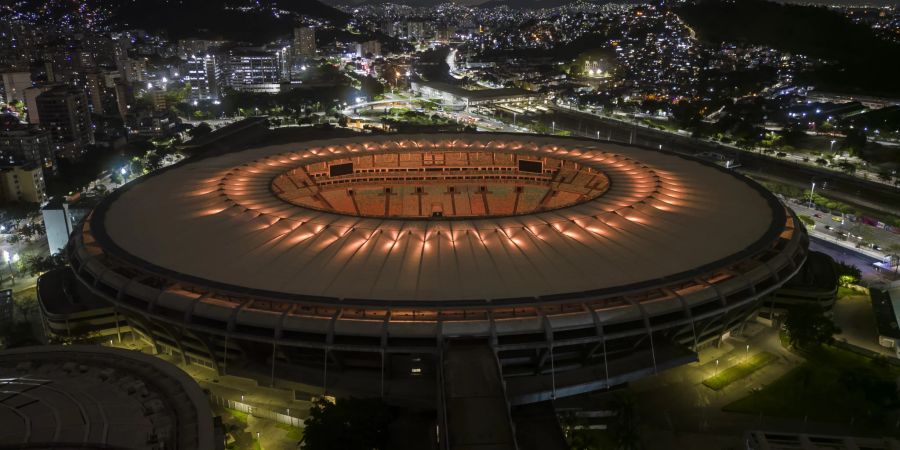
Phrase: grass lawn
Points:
(593, 439)
(828, 387)
(848, 291)
(738, 371)
(238, 415)
(293, 433)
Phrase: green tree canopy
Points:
(347, 424)
(807, 327)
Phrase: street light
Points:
(831, 149)
(9, 260)
(811, 194)
(554, 127)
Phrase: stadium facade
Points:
(352, 263)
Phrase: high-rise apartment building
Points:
(203, 73)
(251, 69)
(64, 112)
(304, 42)
(14, 85)
(23, 184)
(24, 144)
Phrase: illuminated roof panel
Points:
(222, 219)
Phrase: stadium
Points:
(353, 264)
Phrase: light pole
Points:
(831, 148)
(554, 128)
(9, 260)
(811, 191)
(598, 135)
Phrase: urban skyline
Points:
(522, 224)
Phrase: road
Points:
(870, 274)
(803, 159)
(826, 223)
(871, 194)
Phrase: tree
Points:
(137, 167)
(578, 435)
(875, 389)
(847, 274)
(154, 160)
(116, 177)
(36, 265)
(807, 327)
(347, 424)
(17, 334)
(625, 429)
(200, 130)
(856, 139)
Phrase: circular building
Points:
(354, 262)
(92, 397)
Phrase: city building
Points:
(97, 91)
(392, 28)
(355, 263)
(203, 74)
(158, 98)
(23, 184)
(64, 111)
(364, 49)
(188, 48)
(886, 305)
(416, 30)
(459, 98)
(14, 85)
(58, 223)
(254, 70)
(304, 45)
(125, 98)
(25, 144)
(88, 396)
(133, 70)
(31, 95)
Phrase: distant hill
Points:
(205, 18)
(865, 63)
(514, 4)
(525, 4)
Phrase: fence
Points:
(866, 352)
(257, 411)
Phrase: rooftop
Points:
(99, 397)
(218, 221)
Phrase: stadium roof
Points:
(93, 397)
(217, 221)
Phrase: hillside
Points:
(864, 63)
(204, 18)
